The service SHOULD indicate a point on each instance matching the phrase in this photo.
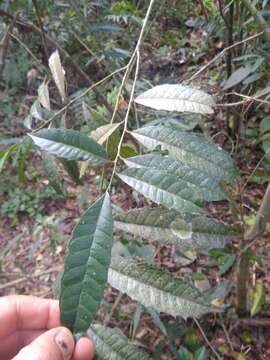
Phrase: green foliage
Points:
(190, 148)
(22, 201)
(70, 145)
(112, 343)
(86, 267)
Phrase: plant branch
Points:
(205, 338)
(40, 24)
(223, 52)
(26, 48)
(135, 55)
(125, 121)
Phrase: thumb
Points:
(55, 344)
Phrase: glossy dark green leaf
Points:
(112, 344)
(207, 186)
(86, 266)
(71, 167)
(70, 144)
(192, 149)
(164, 189)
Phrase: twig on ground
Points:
(115, 304)
(205, 338)
(25, 278)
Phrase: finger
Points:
(84, 349)
(55, 344)
(27, 312)
(11, 344)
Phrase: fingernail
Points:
(62, 340)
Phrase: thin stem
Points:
(218, 56)
(29, 52)
(131, 61)
(136, 54)
(125, 120)
(40, 24)
(205, 338)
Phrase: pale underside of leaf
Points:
(207, 185)
(43, 95)
(102, 133)
(86, 267)
(112, 344)
(189, 148)
(156, 288)
(69, 144)
(169, 227)
(164, 189)
(58, 73)
(177, 98)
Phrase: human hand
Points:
(30, 330)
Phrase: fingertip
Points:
(84, 349)
(65, 342)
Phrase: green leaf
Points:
(258, 299)
(169, 227)
(207, 186)
(177, 98)
(200, 354)
(157, 288)
(127, 151)
(111, 343)
(86, 266)
(164, 189)
(237, 77)
(265, 125)
(228, 262)
(71, 167)
(190, 148)
(24, 149)
(50, 168)
(4, 155)
(69, 144)
(11, 244)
